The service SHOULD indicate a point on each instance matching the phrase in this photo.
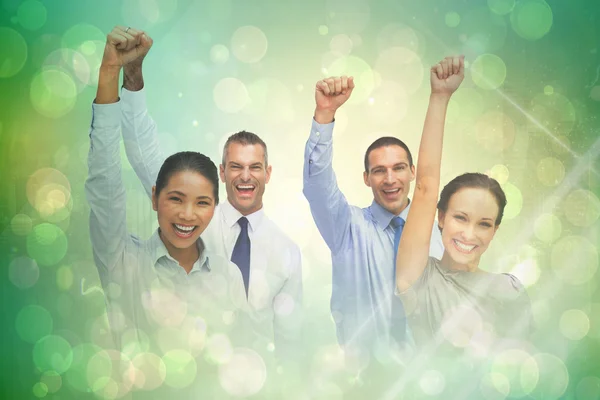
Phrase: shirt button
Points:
(318, 133)
(310, 161)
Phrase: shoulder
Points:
(281, 241)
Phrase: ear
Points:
(412, 172)
(441, 216)
(269, 169)
(366, 178)
(154, 199)
(222, 172)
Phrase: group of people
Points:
(403, 284)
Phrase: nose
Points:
(468, 232)
(186, 212)
(389, 176)
(245, 175)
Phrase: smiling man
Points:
(268, 260)
(362, 241)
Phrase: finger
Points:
(131, 41)
(338, 85)
(117, 40)
(330, 85)
(351, 83)
(444, 65)
(324, 87)
(344, 84)
(439, 70)
(461, 70)
(450, 65)
(456, 65)
(146, 41)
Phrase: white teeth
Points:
(392, 191)
(243, 187)
(464, 246)
(185, 228)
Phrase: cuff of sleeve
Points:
(321, 132)
(133, 102)
(106, 115)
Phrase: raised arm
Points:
(413, 251)
(104, 187)
(328, 205)
(139, 129)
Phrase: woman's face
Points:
(469, 224)
(184, 206)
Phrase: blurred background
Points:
(527, 114)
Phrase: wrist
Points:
(440, 97)
(324, 116)
(110, 71)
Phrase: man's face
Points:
(389, 177)
(245, 175)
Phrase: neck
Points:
(185, 257)
(448, 263)
(245, 213)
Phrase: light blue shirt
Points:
(361, 241)
(147, 292)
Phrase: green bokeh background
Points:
(527, 113)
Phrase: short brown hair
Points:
(245, 138)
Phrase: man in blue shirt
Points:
(361, 240)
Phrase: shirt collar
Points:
(159, 250)
(383, 217)
(232, 215)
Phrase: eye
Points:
(400, 168)
(256, 168)
(377, 171)
(460, 217)
(486, 224)
(176, 199)
(204, 203)
(235, 167)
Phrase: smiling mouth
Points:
(391, 193)
(463, 248)
(184, 231)
(245, 190)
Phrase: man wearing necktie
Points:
(370, 321)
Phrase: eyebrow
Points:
(395, 165)
(233, 163)
(483, 219)
(177, 192)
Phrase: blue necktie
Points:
(241, 252)
(398, 319)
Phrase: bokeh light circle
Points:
(400, 35)
(514, 201)
(52, 380)
(341, 45)
(574, 259)
(553, 377)
(71, 62)
(500, 173)
(501, 7)
(53, 93)
(452, 19)
(588, 388)
(33, 323)
(230, 95)
(531, 19)
(401, 65)
(218, 349)
(40, 390)
(47, 244)
(574, 324)
(554, 113)
(582, 208)
(550, 171)
(244, 374)
(152, 368)
(483, 31)
(519, 370)
(23, 272)
(76, 376)
(548, 228)
(249, 44)
(13, 52)
(180, 368)
(432, 382)
(21, 224)
(495, 131)
(364, 78)
(219, 54)
(32, 14)
(52, 353)
(494, 386)
(488, 71)
(64, 277)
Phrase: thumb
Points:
(146, 41)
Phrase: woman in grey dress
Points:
(452, 304)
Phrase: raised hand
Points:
(330, 94)
(124, 45)
(447, 75)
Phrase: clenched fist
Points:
(447, 75)
(330, 94)
(124, 45)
